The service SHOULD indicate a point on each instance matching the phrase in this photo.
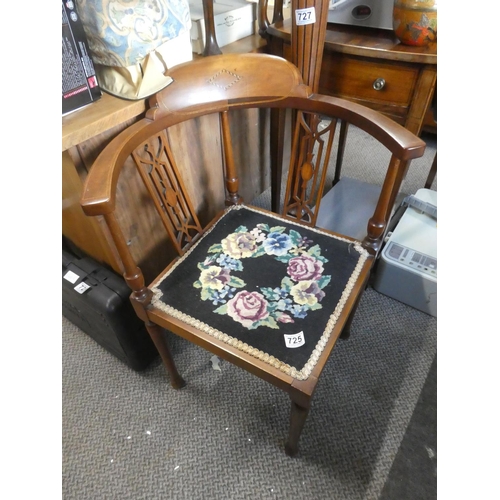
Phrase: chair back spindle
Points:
(232, 183)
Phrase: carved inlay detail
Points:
(171, 197)
(224, 79)
(307, 171)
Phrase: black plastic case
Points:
(97, 301)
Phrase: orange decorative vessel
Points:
(415, 21)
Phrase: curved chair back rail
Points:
(264, 81)
(216, 293)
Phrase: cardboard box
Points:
(79, 82)
(233, 20)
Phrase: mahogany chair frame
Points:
(219, 85)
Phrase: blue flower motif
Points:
(299, 311)
(284, 304)
(228, 262)
(277, 244)
(282, 293)
(221, 296)
(217, 299)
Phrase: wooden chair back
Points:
(219, 85)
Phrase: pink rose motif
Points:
(284, 318)
(247, 308)
(305, 267)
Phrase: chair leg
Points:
(156, 333)
(340, 152)
(277, 140)
(298, 417)
(432, 173)
(346, 331)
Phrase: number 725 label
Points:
(295, 340)
(305, 16)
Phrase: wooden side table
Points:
(85, 132)
(371, 67)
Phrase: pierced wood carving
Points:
(311, 150)
(157, 167)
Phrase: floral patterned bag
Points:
(134, 42)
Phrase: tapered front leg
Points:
(346, 331)
(298, 417)
(156, 333)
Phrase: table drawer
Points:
(356, 78)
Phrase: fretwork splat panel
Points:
(311, 150)
(159, 171)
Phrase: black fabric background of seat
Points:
(260, 274)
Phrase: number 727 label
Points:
(295, 340)
(305, 16)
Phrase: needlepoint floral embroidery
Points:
(300, 290)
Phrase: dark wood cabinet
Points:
(371, 67)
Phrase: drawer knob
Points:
(379, 84)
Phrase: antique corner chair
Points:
(249, 284)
